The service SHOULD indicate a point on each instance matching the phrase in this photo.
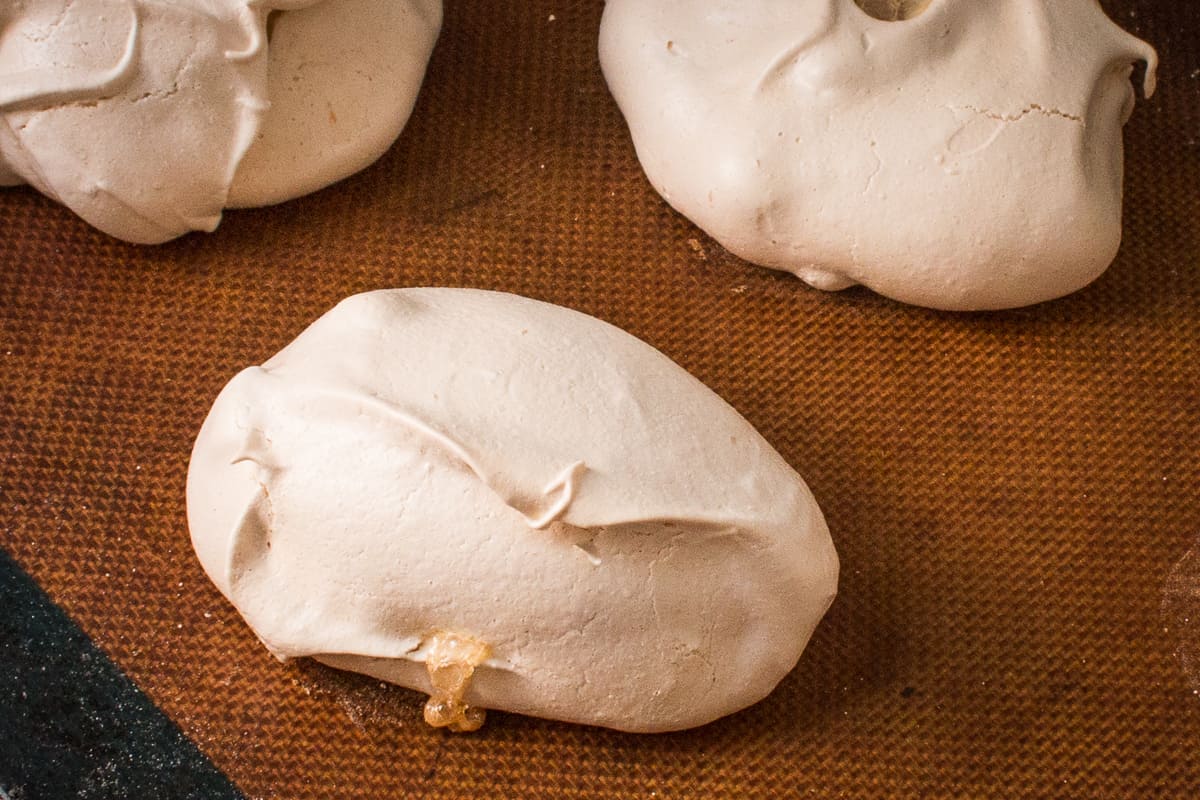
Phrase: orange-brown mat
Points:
(1013, 495)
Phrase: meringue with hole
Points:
(508, 505)
(946, 153)
(148, 118)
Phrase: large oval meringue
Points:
(431, 471)
(963, 155)
(138, 115)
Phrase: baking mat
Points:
(1013, 495)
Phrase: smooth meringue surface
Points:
(968, 156)
(342, 78)
(630, 550)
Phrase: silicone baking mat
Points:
(1013, 494)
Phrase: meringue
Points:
(343, 77)
(510, 505)
(138, 115)
(952, 154)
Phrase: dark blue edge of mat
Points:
(72, 725)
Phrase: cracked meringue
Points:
(147, 119)
(511, 505)
(945, 153)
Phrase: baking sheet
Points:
(1013, 495)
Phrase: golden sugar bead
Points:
(451, 661)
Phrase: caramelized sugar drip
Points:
(451, 662)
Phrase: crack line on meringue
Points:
(1032, 108)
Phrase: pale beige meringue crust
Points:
(967, 157)
(419, 461)
(137, 114)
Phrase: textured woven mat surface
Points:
(1013, 495)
